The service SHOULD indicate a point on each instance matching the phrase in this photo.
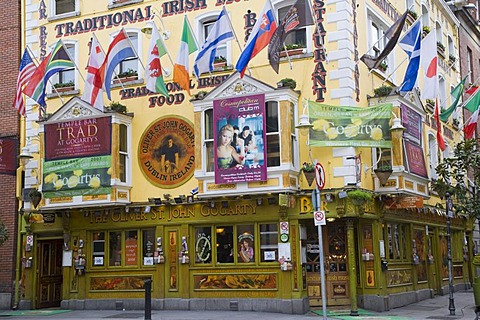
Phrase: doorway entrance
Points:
(49, 285)
(335, 261)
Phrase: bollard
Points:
(148, 299)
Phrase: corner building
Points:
(137, 194)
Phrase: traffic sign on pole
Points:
(319, 217)
(319, 176)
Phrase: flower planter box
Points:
(126, 79)
(64, 89)
(293, 52)
(219, 65)
(309, 176)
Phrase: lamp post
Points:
(451, 304)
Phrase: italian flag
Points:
(187, 46)
(153, 72)
(471, 125)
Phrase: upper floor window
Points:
(130, 67)
(221, 52)
(425, 16)
(273, 133)
(432, 156)
(65, 79)
(208, 140)
(469, 65)
(438, 31)
(64, 8)
(299, 36)
(123, 153)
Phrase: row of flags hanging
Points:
(32, 80)
(423, 52)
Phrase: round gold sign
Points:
(167, 152)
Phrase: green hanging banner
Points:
(337, 126)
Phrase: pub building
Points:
(206, 196)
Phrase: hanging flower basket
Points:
(383, 175)
(309, 176)
(35, 197)
(359, 197)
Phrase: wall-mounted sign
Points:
(78, 138)
(8, 155)
(166, 152)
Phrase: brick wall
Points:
(9, 34)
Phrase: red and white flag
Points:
(471, 125)
(91, 93)
(429, 63)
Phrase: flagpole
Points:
(49, 81)
(391, 73)
(231, 26)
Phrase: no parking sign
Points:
(319, 218)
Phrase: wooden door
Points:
(49, 266)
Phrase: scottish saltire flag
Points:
(259, 37)
(411, 43)
(56, 61)
(119, 50)
(91, 93)
(220, 33)
(26, 70)
(188, 45)
(153, 71)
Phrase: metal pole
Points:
(451, 304)
(148, 299)
(320, 253)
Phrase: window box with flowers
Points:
(64, 86)
(293, 49)
(451, 60)
(383, 91)
(308, 170)
(383, 66)
(383, 172)
(219, 62)
(126, 76)
(425, 31)
(117, 107)
(359, 197)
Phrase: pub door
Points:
(335, 261)
(49, 271)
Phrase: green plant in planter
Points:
(118, 107)
(426, 29)
(64, 84)
(384, 167)
(128, 73)
(382, 91)
(383, 66)
(200, 94)
(35, 197)
(307, 167)
(430, 102)
(359, 195)
(287, 82)
(452, 58)
(219, 59)
(413, 14)
(440, 46)
(294, 46)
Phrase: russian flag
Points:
(259, 38)
(119, 50)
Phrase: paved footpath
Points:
(432, 309)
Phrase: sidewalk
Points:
(432, 309)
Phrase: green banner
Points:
(336, 126)
(78, 176)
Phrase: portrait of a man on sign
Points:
(240, 143)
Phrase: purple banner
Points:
(8, 155)
(415, 159)
(78, 138)
(240, 153)
(412, 121)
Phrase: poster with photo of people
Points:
(239, 126)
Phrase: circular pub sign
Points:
(167, 152)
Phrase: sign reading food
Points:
(337, 126)
(80, 176)
(78, 138)
(167, 152)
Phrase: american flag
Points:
(26, 70)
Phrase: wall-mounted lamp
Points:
(183, 198)
(189, 199)
(149, 25)
(397, 128)
(259, 202)
(147, 209)
(127, 209)
(304, 119)
(25, 156)
(212, 204)
(167, 196)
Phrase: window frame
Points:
(207, 19)
(377, 44)
(138, 50)
(55, 16)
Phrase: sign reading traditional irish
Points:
(166, 152)
(337, 126)
(78, 138)
(79, 176)
(239, 139)
(8, 155)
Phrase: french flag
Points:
(259, 38)
(119, 50)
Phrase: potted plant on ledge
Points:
(126, 76)
(308, 170)
(64, 86)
